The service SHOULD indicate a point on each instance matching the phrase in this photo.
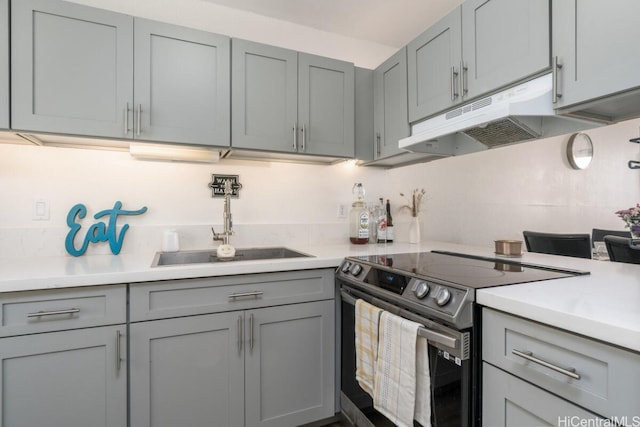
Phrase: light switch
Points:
(41, 210)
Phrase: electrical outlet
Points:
(342, 211)
(41, 210)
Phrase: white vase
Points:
(414, 230)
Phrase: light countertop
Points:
(604, 305)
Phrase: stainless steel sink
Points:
(209, 256)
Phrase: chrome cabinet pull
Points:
(454, 83)
(378, 145)
(246, 294)
(295, 137)
(571, 372)
(304, 138)
(118, 358)
(555, 68)
(463, 80)
(126, 118)
(138, 119)
(251, 333)
(239, 335)
(54, 312)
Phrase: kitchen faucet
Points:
(226, 216)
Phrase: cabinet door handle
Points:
(126, 118)
(555, 68)
(251, 333)
(239, 335)
(295, 137)
(246, 294)
(138, 120)
(570, 372)
(118, 358)
(304, 138)
(463, 80)
(454, 83)
(54, 312)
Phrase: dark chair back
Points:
(620, 251)
(597, 234)
(575, 245)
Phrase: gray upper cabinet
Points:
(326, 106)
(4, 64)
(291, 102)
(265, 97)
(477, 48)
(71, 68)
(503, 41)
(433, 60)
(73, 73)
(390, 105)
(595, 44)
(182, 91)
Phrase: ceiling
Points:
(388, 22)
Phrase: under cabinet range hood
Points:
(520, 113)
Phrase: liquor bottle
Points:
(389, 223)
(359, 217)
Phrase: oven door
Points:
(451, 385)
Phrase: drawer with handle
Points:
(187, 297)
(61, 309)
(590, 373)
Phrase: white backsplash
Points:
(471, 199)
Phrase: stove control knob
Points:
(356, 269)
(421, 289)
(345, 267)
(443, 296)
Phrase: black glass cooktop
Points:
(467, 270)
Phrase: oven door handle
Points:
(424, 332)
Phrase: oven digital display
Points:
(391, 281)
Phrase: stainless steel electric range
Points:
(436, 289)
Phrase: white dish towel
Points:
(366, 329)
(402, 381)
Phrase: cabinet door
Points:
(187, 371)
(264, 105)
(182, 84)
(71, 68)
(596, 44)
(290, 364)
(390, 104)
(71, 379)
(503, 41)
(326, 106)
(510, 401)
(4, 64)
(433, 61)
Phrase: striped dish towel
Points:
(401, 357)
(367, 320)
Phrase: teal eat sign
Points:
(99, 231)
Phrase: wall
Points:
(496, 194)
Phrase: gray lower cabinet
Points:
(291, 102)
(592, 43)
(57, 368)
(4, 64)
(477, 48)
(509, 401)
(534, 373)
(252, 350)
(390, 105)
(73, 73)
